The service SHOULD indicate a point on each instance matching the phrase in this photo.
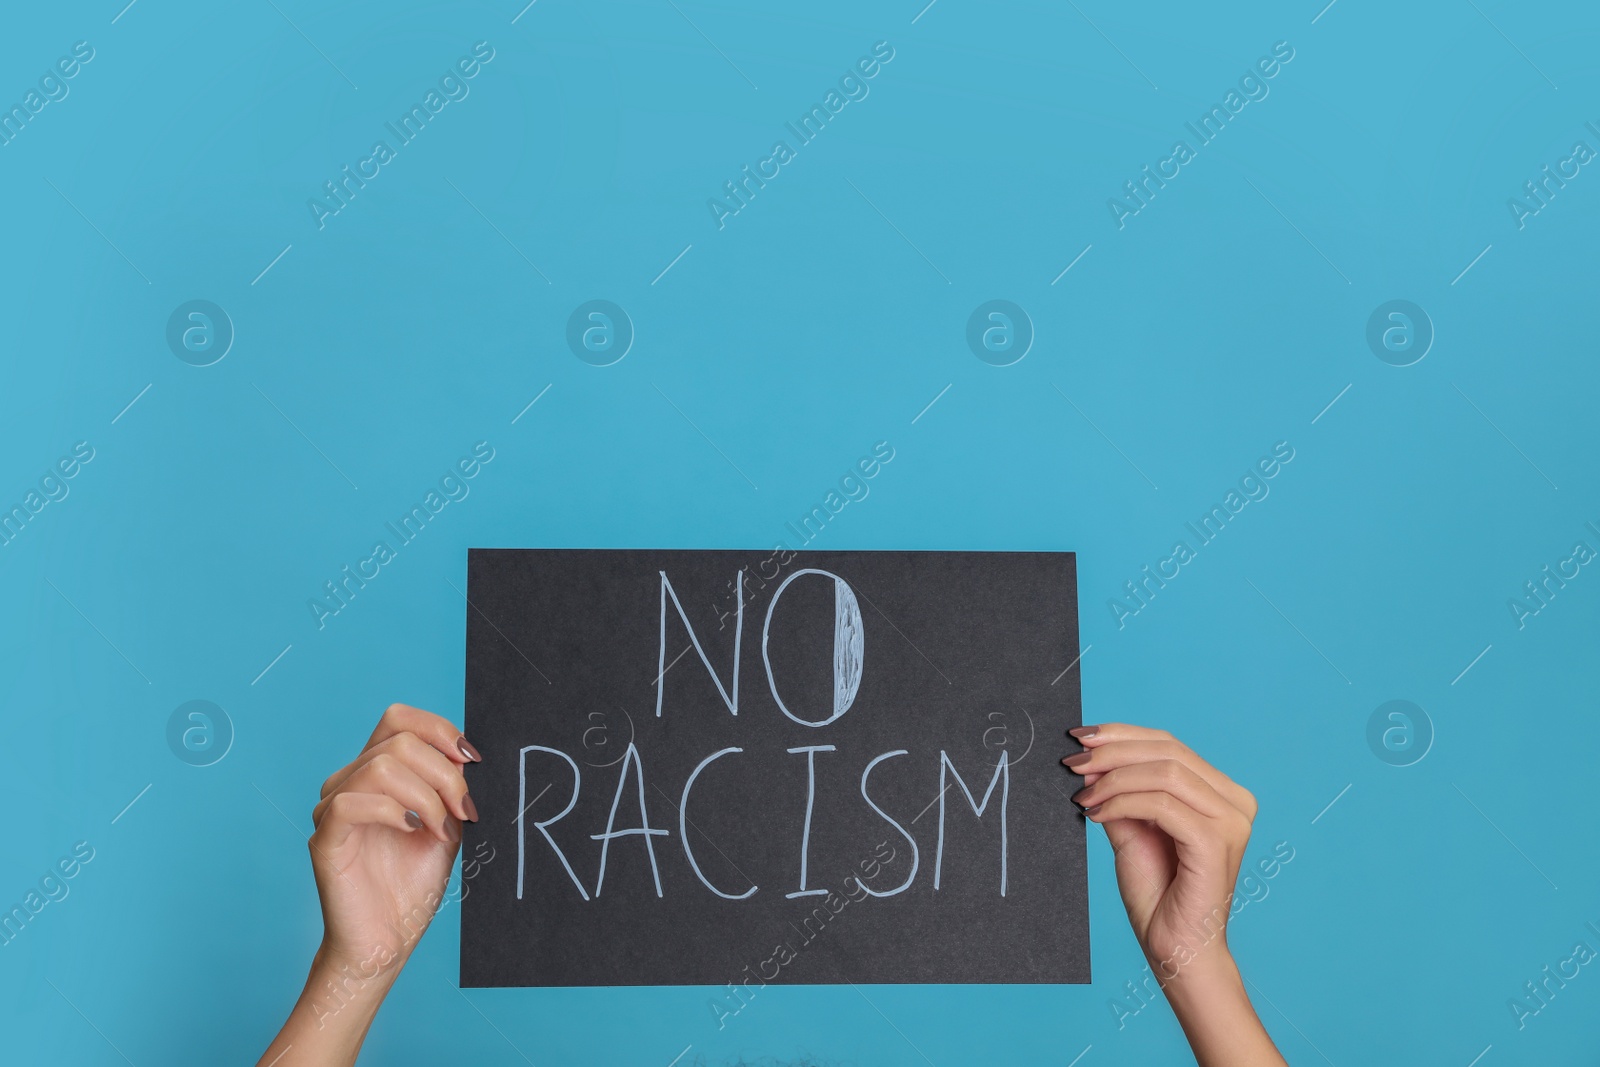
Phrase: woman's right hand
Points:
(388, 827)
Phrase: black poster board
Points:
(830, 831)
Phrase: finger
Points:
(1168, 776)
(440, 772)
(437, 730)
(1176, 819)
(1117, 745)
(1099, 734)
(1093, 736)
(334, 780)
(343, 812)
(386, 775)
(1115, 754)
(1109, 755)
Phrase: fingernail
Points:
(1079, 760)
(1078, 794)
(471, 808)
(1091, 811)
(465, 748)
(413, 820)
(1084, 731)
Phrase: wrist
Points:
(344, 991)
(1202, 979)
(1194, 966)
(341, 997)
(343, 979)
(1207, 994)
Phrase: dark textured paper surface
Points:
(961, 653)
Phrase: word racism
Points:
(1537, 194)
(1540, 994)
(405, 530)
(53, 886)
(453, 87)
(1253, 86)
(1251, 487)
(853, 86)
(52, 87)
(853, 487)
(1539, 595)
(53, 486)
(848, 656)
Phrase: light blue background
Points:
(1221, 320)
